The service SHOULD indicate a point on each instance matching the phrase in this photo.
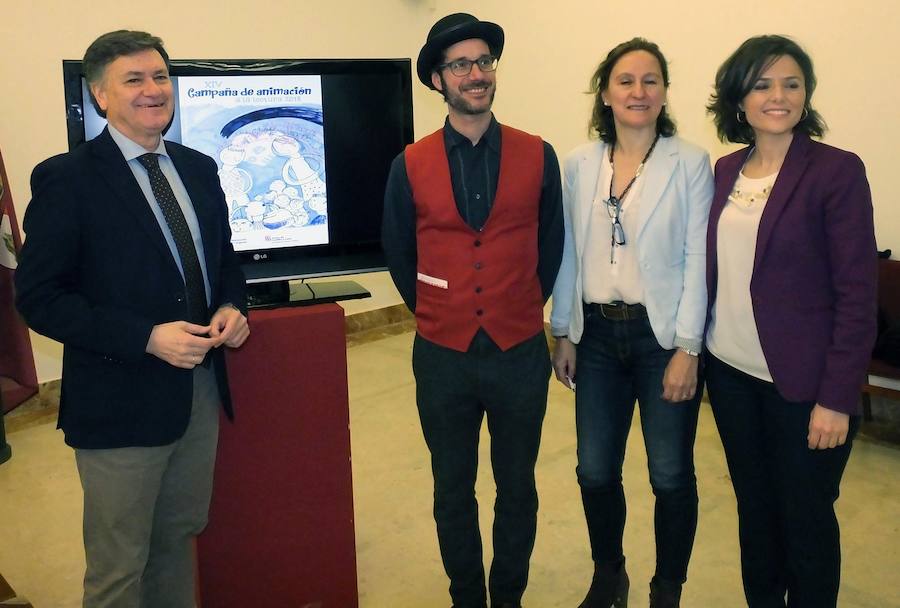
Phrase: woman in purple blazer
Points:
(791, 274)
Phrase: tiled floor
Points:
(398, 561)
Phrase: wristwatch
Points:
(688, 351)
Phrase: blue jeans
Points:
(790, 539)
(454, 392)
(617, 363)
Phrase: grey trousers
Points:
(142, 508)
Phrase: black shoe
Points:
(507, 605)
(609, 588)
(664, 594)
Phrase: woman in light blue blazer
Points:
(629, 306)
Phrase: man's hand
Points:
(180, 343)
(564, 362)
(827, 428)
(680, 378)
(229, 327)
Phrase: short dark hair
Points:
(602, 122)
(737, 76)
(109, 47)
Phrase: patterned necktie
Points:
(198, 311)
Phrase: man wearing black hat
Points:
(473, 234)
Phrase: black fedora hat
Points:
(450, 30)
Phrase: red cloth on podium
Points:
(281, 520)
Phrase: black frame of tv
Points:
(368, 120)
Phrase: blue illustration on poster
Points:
(266, 134)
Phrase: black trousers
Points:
(789, 535)
(454, 391)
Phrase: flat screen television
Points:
(304, 147)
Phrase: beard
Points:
(459, 103)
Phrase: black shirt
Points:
(474, 173)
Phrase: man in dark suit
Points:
(128, 263)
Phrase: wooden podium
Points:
(280, 528)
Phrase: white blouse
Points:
(732, 335)
(612, 273)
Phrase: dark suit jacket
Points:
(813, 287)
(96, 274)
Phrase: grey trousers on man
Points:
(142, 509)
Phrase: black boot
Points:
(609, 587)
(604, 510)
(664, 594)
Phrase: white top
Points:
(732, 335)
(612, 273)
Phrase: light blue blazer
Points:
(671, 244)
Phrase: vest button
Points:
(479, 312)
(478, 289)
(478, 243)
(478, 265)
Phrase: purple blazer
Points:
(814, 281)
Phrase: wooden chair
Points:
(881, 372)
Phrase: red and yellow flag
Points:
(18, 379)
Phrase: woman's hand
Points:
(827, 428)
(680, 378)
(564, 362)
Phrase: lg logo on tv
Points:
(260, 256)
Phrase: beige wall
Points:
(552, 48)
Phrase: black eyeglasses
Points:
(614, 203)
(463, 67)
(613, 209)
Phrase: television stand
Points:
(277, 294)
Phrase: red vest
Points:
(469, 279)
